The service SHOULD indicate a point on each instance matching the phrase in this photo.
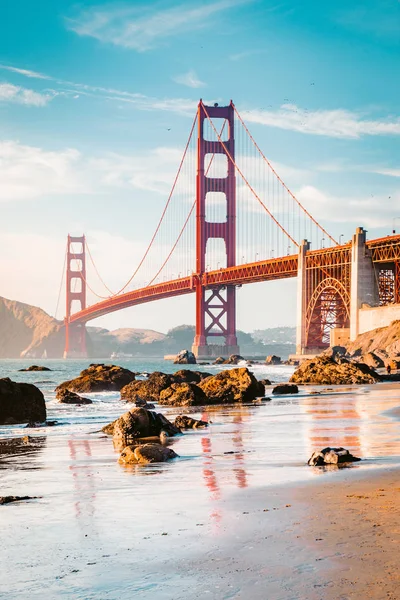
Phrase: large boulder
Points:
(147, 389)
(327, 370)
(183, 394)
(233, 385)
(68, 397)
(35, 368)
(331, 456)
(99, 378)
(372, 360)
(220, 360)
(139, 423)
(185, 357)
(144, 454)
(185, 422)
(273, 360)
(285, 388)
(186, 376)
(20, 403)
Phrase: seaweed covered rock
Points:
(139, 423)
(185, 357)
(147, 389)
(331, 456)
(185, 422)
(143, 454)
(183, 394)
(68, 397)
(233, 385)
(99, 378)
(20, 403)
(328, 370)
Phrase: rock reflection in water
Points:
(14, 451)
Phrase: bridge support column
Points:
(364, 287)
(75, 333)
(301, 340)
(215, 307)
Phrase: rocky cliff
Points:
(384, 339)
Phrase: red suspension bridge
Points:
(230, 220)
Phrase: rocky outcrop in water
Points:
(68, 397)
(139, 423)
(272, 359)
(144, 454)
(285, 388)
(183, 394)
(20, 403)
(147, 389)
(185, 422)
(185, 357)
(234, 359)
(35, 368)
(331, 456)
(233, 385)
(329, 371)
(99, 378)
(10, 499)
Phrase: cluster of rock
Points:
(185, 357)
(195, 388)
(35, 368)
(330, 370)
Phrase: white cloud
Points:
(25, 72)
(19, 95)
(370, 211)
(189, 79)
(143, 28)
(388, 172)
(27, 172)
(338, 123)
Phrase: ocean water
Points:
(102, 530)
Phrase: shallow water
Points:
(101, 530)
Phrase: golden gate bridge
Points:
(230, 220)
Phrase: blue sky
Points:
(96, 102)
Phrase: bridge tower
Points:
(75, 334)
(215, 307)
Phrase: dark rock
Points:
(234, 359)
(9, 499)
(99, 378)
(233, 385)
(335, 351)
(185, 422)
(143, 454)
(273, 360)
(394, 364)
(139, 423)
(20, 403)
(326, 370)
(183, 394)
(220, 360)
(331, 456)
(265, 382)
(185, 357)
(35, 368)
(372, 360)
(67, 397)
(285, 388)
(140, 403)
(147, 389)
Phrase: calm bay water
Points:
(101, 530)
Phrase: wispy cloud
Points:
(20, 95)
(388, 172)
(339, 123)
(189, 79)
(25, 72)
(145, 27)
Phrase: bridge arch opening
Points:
(216, 207)
(221, 125)
(329, 307)
(215, 166)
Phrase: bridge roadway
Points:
(383, 250)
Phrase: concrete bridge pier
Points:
(364, 287)
(301, 341)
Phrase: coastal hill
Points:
(28, 331)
